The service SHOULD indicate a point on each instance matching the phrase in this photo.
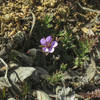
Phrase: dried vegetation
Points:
(72, 72)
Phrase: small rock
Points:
(11, 99)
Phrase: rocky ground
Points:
(49, 50)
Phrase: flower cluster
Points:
(48, 45)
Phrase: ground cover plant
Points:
(49, 50)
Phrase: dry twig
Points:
(93, 94)
(33, 23)
(88, 9)
(5, 66)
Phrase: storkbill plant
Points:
(48, 45)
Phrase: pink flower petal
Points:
(49, 39)
(45, 49)
(54, 44)
(51, 50)
(43, 41)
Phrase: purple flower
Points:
(48, 45)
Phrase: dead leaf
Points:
(87, 31)
(21, 73)
(42, 95)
